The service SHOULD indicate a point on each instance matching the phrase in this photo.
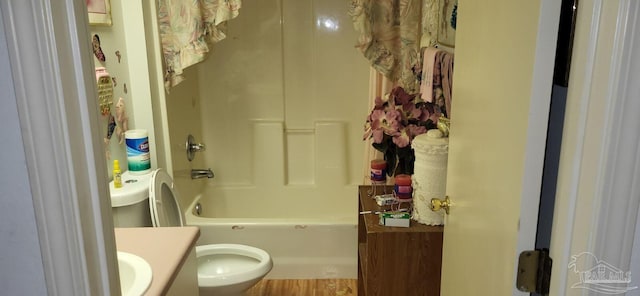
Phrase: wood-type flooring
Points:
(312, 287)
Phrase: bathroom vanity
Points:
(396, 260)
(171, 253)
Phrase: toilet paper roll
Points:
(429, 175)
(138, 158)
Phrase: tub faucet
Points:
(199, 174)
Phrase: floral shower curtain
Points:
(392, 32)
(187, 29)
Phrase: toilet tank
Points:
(130, 203)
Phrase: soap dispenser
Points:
(117, 174)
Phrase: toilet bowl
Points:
(229, 269)
(151, 200)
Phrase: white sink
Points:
(135, 274)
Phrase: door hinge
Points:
(534, 271)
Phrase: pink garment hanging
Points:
(443, 81)
(428, 61)
(446, 72)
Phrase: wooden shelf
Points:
(396, 260)
(362, 270)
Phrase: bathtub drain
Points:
(198, 209)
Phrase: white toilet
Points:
(151, 200)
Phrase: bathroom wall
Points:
(112, 40)
(283, 102)
(127, 35)
(183, 103)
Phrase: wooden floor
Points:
(316, 287)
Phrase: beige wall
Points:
(183, 105)
(127, 35)
(112, 39)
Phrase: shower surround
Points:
(282, 100)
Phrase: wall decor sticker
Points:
(122, 120)
(111, 127)
(97, 50)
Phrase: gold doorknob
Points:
(437, 204)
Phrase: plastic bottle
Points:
(117, 174)
(402, 188)
(378, 171)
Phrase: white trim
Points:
(156, 85)
(537, 127)
(604, 196)
(635, 43)
(19, 246)
(615, 204)
(604, 162)
(562, 259)
(55, 91)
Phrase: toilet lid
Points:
(163, 201)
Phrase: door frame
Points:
(539, 108)
(54, 85)
(73, 213)
(596, 205)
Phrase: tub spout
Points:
(199, 174)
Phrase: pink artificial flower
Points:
(430, 111)
(410, 111)
(379, 104)
(401, 139)
(406, 135)
(377, 122)
(392, 121)
(401, 97)
(380, 123)
(415, 130)
(399, 118)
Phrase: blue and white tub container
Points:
(138, 158)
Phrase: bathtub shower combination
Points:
(280, 105)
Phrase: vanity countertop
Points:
(164, 248)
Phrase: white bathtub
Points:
(301, 248)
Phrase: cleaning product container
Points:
(138, 157)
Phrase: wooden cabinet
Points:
(396, 260)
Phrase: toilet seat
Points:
(256, 270)
(165, 211)
(163, 201)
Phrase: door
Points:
(502, 87)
